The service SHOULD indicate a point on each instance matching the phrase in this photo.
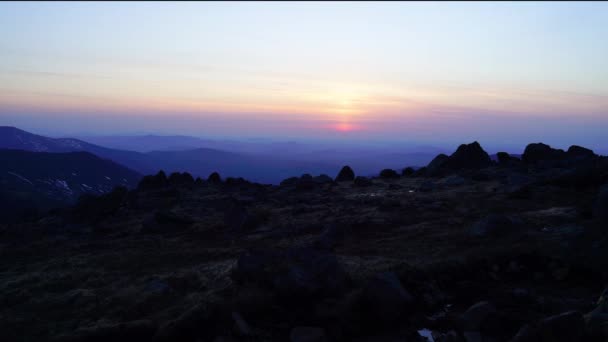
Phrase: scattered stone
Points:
(494, 225)
(196, 323)
(362, 181)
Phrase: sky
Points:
(437, 72)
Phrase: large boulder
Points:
(575, 151)
(474, 317)
(345, 174)
(469, 156)
(305, 182)
(157, 181)
(214, 178)
(323, 179)
(177, 178)
(385, 299)
(408, 171)
(537, 152)
(389, 174)
(600, 207)
(436, 165)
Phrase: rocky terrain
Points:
(465, 249)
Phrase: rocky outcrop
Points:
(467, 156)
(389, 174)
(408, 171)
(184, 178)
(157, 181)
(214, 178)
(538, 152)
(346, 174)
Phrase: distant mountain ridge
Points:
(43, 180)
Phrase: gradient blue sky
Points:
(435, 72)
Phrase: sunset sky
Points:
(449, 71)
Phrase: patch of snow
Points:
(63, 185)
(426, 333)
(74, 174)
(108, 178)
(86, 186)
(20, 177)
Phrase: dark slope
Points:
(40, 180)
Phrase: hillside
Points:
(36, 181)
(464, 249)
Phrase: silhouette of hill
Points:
(37, 181)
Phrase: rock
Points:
(527, 333)
(323, 179)
(389, 174)
(177, 178)
(362, 181)
(600, 207)
(291, 181)
(436, 165)
(241, 327)
(295, 274)
(305, 182)
(473, 318)
(157, 181)
(421, 172)
(535, 153)
(199, 181)
(385, 299)
(454, 180)
(468, 156)
(238, 181)
(307, 334)
(495, 225)
(426, 186)
(194, 324)
(568, 326)
(408, 171)
(346, 174)
(169, 217)
(329, 238)
(165, 221)
(214, 178)
(596, 321)
(575, 151)
(140, 330)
